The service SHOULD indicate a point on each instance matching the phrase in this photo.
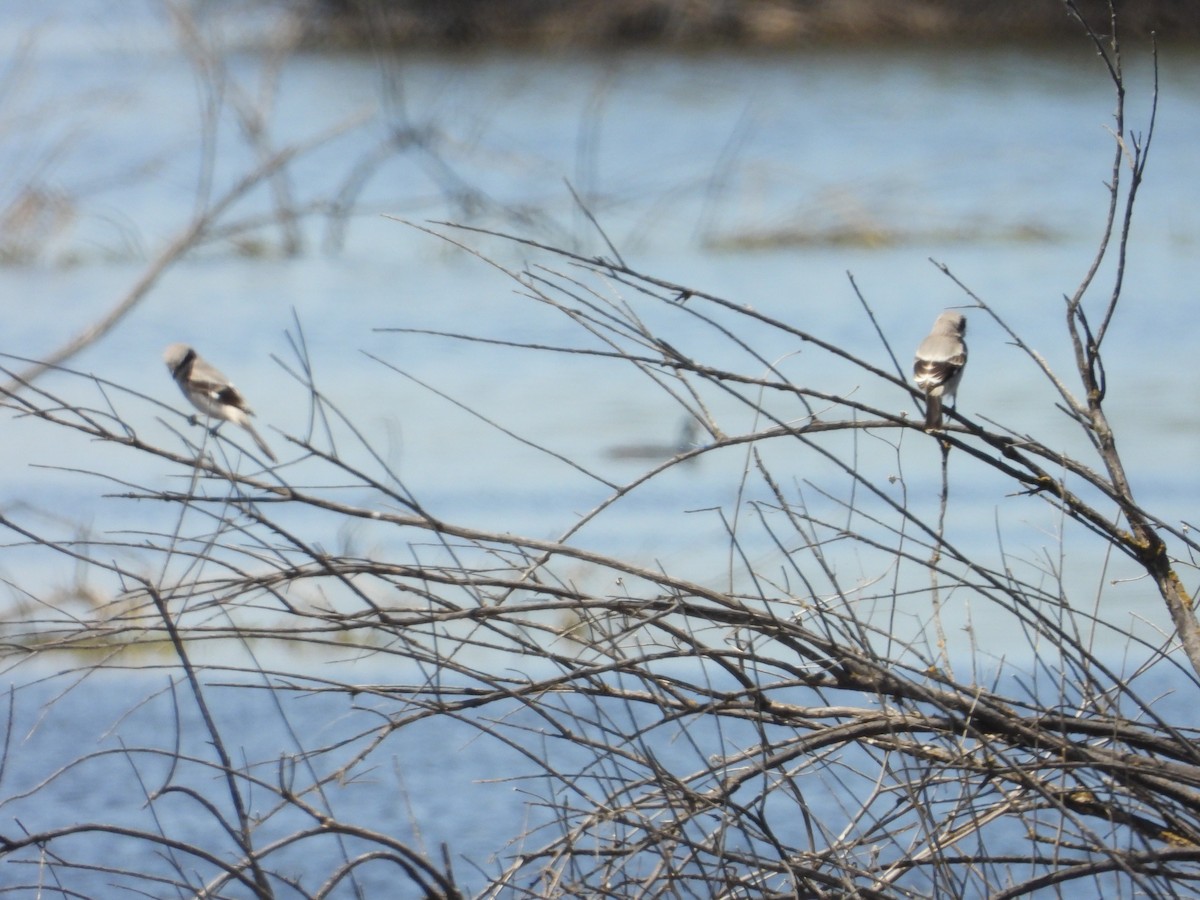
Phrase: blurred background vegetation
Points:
(702, 24)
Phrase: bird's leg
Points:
(194, 420)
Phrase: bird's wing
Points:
(228, 395)
(932, 373)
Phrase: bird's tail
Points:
(933, 413)
(262, 445)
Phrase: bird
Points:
(210, 391)
(939, 364)
(688, 433)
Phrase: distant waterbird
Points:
(689, 432)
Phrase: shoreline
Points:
(721, 24)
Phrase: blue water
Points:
(762, 179)
(123, 749)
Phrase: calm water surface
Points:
(762, 179)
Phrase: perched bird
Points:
(210, 391)
(939, 364)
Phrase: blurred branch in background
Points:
(39, 209)
(193, 235)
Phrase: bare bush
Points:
(806, 724)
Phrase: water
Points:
(121, 749)
(763, 179)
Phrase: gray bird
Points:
(939, 365)
(210, 391)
